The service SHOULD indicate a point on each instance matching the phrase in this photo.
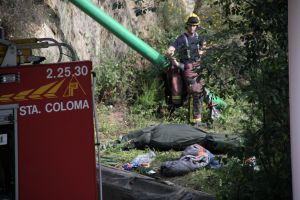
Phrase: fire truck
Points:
(47, 147)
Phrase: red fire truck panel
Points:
(55, 132)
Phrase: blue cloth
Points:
(130, 166)
(193, 157)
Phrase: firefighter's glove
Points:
(175, 62)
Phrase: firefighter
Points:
(188, 48)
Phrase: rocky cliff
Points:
(61, 20)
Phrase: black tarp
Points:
(179, 136)
(124, 185)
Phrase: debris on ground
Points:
(193, 157)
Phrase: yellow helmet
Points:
(192, 19)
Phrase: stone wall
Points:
(61, 20)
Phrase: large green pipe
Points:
(121, 32)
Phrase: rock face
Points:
(61, 20)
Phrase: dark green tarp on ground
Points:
(179, 136)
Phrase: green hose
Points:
(121, 32)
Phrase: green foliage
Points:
(148, 99)
(147, 103)
(118, 5)
(116, 156)
(262, 80)
(106, 127)
(232, 118)
(234, 183)
(143, 7)
(240, 181)
(115, 79)
(221, 67)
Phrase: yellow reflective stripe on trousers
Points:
(176, 97)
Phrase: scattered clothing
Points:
(251, 162)
(193, 157)
(130, 166)
(141, 161)
(145, 158)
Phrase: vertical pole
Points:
(294, 74)
(100, 194)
